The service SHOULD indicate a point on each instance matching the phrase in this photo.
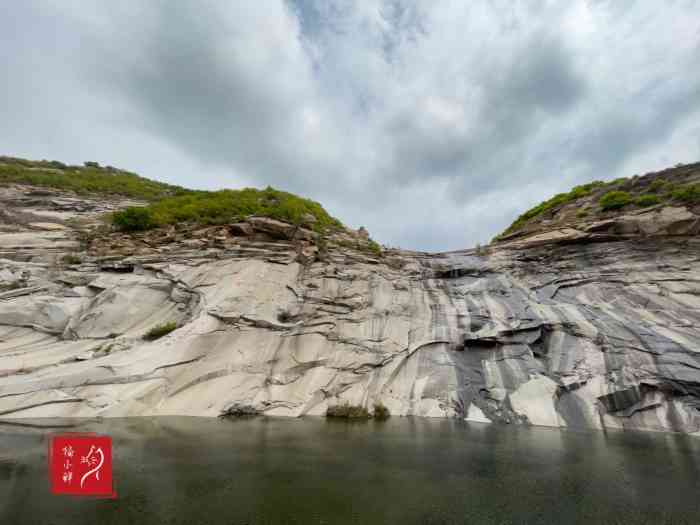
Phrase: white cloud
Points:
(434, 124)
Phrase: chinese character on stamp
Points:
(81, 465)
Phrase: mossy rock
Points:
(348, 411)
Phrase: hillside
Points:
(575, 321)
(90, 179)
(598, 201)
(165, 204)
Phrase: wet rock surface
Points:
(590, 327)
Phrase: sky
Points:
(432, 123)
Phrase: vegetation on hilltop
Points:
(168, 204)
(225, 206)
(649, 190)
(557, 200)
(91, 178)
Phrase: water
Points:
(405, 471)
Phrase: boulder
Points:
(308, 219)
(279, 229)
(241, 229)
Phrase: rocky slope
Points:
(570, 323)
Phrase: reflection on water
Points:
(407, 471)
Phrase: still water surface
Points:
(404, 471)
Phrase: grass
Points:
(374, 248)
(556, 201)
(84, 179)
(656, 192)
(614, 200)
(688, 193)
(159, 331)
(369, 246)
(225, 206)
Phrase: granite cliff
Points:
(570, 319)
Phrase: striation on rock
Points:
(591, 327)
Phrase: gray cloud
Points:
(433, 124)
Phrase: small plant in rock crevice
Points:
(159, 331)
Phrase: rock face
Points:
(585, 328)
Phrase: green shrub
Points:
(134, 219)
(374, 247)
(348, 411)
(657, 185)
(661, 186)
(614, 200)
(616, 182)
(381, 412)
(55, 164)
(224, 206)
(159, 331)
(689, 193)
(647, 200)
(240, 410)
(582, 213)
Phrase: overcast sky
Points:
(432, 123)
